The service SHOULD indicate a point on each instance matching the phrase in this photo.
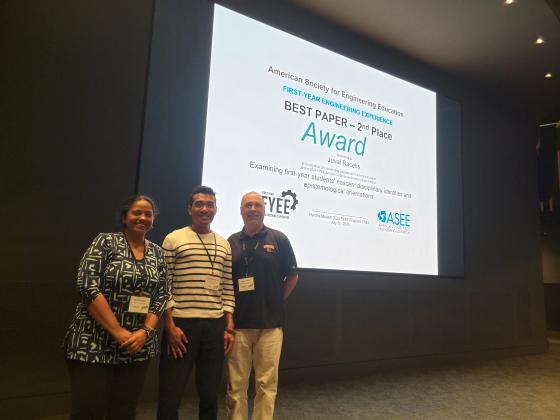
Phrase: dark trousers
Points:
(205, 351)
(105, 391)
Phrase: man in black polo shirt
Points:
(264, 275)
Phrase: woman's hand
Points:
(121, 335)
(136, 341)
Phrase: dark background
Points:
(548, 152)
(84, 84)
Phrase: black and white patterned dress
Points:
(109, 267)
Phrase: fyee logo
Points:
(282, 205)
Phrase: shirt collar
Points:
(261, 232)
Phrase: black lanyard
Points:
(212, 261)
(249, 260)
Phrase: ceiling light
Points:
(539, 40)
(548, 75)
(509, 1)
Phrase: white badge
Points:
(246, 284)
(139, 304)
(212, 283)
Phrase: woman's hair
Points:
(127, 204)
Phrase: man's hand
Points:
(229, 339)
(136, 341)
(176, 342)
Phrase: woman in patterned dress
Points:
(122, 282)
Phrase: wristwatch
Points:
(150, 332)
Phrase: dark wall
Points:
(73, 84)
(549, 193)
(550, 246)
(552, 304)
(76, 87)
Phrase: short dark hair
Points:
(127, 204)
(200, 189)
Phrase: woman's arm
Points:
(139, 337)
(89, 284)
(101, 312)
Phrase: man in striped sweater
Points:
(198, 318)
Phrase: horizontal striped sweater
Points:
(199, 273)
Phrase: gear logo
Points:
(280, 205)
(295, 202)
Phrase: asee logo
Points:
(382, 216)
(394, 218)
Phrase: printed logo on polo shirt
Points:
(269, 248)
(280, 205)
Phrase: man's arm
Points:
(229, 333)
(289, 268)
(290, 285)
(176, 338)
(228, 300)
(229, 320)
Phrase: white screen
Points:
(354, 146)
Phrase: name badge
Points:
(212, 283)
(139, 304)
(246, 284)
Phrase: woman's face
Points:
(139, 218)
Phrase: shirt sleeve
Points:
(162, 294)
(92, 267)
(169, 252)
(228, 295)
(289, 263)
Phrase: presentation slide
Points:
(343, 154)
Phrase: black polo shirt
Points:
(269, 258)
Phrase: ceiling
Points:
(481, 40)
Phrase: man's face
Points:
(203, 209)
(252, 210)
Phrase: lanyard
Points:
(135, 284)
(249, 260)
(212, 261)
